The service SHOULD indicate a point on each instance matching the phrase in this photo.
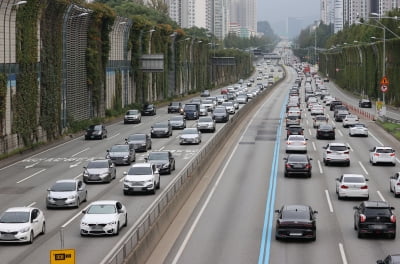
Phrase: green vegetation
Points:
(392, 128)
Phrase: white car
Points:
(352, 185)
(317, 109)
(230, 108)
(350, 120)
(336, 153)
(395, 184)
(142, 177)
(103, 218)
(190, 135)
(203, 110)
(382, 155)
(21, 224)
(296, 143)
(358, 130)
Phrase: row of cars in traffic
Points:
(299, 221)
(107, 217)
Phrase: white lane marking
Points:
(74, 165)
(333, 123)
(108, 138)
(377, 140)
(307, 122)
(351, 149)
(76, 154)
(340, 132)
(313, 145)
(31, 204)
(74, 217)
(329, 201)
(320, 167)
(381, 196)
(309, 131)
(362, 166)
(77, 177)
(163, 147)
(342, 253)
(36, 173)
(30, 166)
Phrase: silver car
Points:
(66, 193)
(206, 123)
(101, 170)
(178, 122)
(296, 143)
(132, 116)
(190, 136)
(121, 154)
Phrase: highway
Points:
(25, 183)
(235, 220)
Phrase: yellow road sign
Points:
(62, 256)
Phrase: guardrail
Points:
(139, 242)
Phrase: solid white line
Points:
(377, 140)
(74, 217)
(381, 196)
(32, 204)
(351, 149)
(342, 253)
(309, 131)
(31, 176)
(108, 138)
(329, 201)
(362, 166)
(320, 167)
(163, 147)
(80, 152)
(340, 132)
(314, 147)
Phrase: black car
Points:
(139, 141)
(96, 132)
(161, 129)
(164, 161)
(220, 115)
(298, 164)
(390, 259)
(334, 103)
(326, 131)
(375, 218)
(121, 154)
(149, 109)
(296, 222)
(175, 107)
(365, 103)
(294, 130)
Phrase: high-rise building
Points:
(243, 12)
(188, 13)
(339, 19)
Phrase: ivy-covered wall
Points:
(359, 69)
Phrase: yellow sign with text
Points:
(62, 256)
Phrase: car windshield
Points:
(353, 179)
(140, 171)
(137, 137)
(190, 107)
(148, 107)
(63, 187)
(320, 118)
(207, 102)
(119, 148)
(189, 131)
(95, 127)
(377, 211)
(338, 148)
(358, 125)
(175, 104)
(219, 110)
(101, 209)
(297, 158)
(14, 217)
(160, 125)
(205, 119)
(292, 117)
(295, 214)
(227, 104)
(97, 164)
(158, 156)
(176, 118)
(132, 112)
(325, 127)
(384, 151)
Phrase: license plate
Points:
(378, 227)
(297, 166)
(295, 234)
(7, 237)
(137, 189)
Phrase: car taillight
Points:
(364, 187)
(393, 218)
(346, 152)
(344, 186)
(308, 166)
(376, 154)
(288, 165)
(392, 154)
(288, 142)
(362, 218)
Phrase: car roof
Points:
(98, 160)
(353, 175)
(142, 164)
(296, 137)
(376, 204)
(104, 202)
(20, 209)
(67, 180)
(337, 144)
(296, 207)
(382, 147)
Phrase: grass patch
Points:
(392, 128)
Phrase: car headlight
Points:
(84, 223)
(126, 157)
(85, 173)
(72, 196)
(112, 223)
(24, 230)
(165, 165)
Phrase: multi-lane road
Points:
(235, 220)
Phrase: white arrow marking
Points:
(30, 166)
(74, 165)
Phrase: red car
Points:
(224, 91)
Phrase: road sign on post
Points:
(62, 256)
(384, 88)
(385, 81)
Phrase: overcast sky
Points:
(277, 11)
